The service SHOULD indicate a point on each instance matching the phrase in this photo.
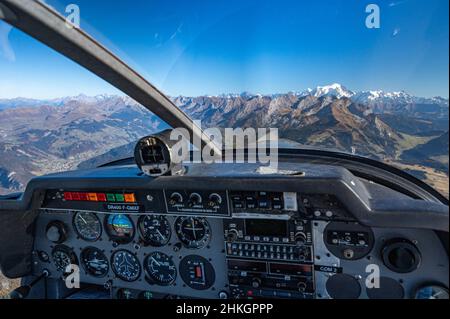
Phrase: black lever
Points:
(23, 291)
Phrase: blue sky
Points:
(221, 46)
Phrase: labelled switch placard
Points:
(349, 241)
(193, 202)
(263, 202)
(105, 200)
(290, 201)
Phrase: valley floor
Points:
(435, 178)
(7, 285)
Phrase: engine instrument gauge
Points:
(126, 265)
(154, 230)
(124, 294)
(62, 257)
(432, 292)
(145, 295)
(120, 228)
(193, 232)
(160, 269)
(197, 272)
(87, 225)
(94, 262)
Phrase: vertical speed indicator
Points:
(160, 269)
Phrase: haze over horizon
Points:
(121, 94)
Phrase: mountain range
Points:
(42, 136)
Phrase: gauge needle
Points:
(161, 235)
(193, 228)
(84, 220)
(437, 295)
(155, 261)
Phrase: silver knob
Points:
(223, 295)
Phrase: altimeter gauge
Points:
(154, 230)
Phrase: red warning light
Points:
(198, 272)
(84, 197)
(101, 197)
(75, 196)
(98, 197)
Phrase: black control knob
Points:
(56, 232)
(301, 255)
(401, 255)
(214, 200)
(256, 283)
(175, 198)
(232, 235)
(194, 199)
(301, 286)
(177, 247)
(300, 239)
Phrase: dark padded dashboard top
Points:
(370, 203)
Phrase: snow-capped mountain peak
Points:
(381, 96)
(335, 89)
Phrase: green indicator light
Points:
(110, 197)
(120, 198)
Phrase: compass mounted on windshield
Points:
(158, 155)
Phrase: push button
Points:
(263, 203)
(250, 202)
(238, 205)
(276, 203)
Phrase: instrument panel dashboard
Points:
(144, 252)
(230, 243)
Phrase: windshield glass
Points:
(368, 79)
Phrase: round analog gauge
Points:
(146, 295)
(94, 262)
(154, 230)
(160, 269)
(62, 257)
(197, 272)
(87, 225)
(120, 228)
(124, 294)
(125, 265)
(193, 232)
(432, 292)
